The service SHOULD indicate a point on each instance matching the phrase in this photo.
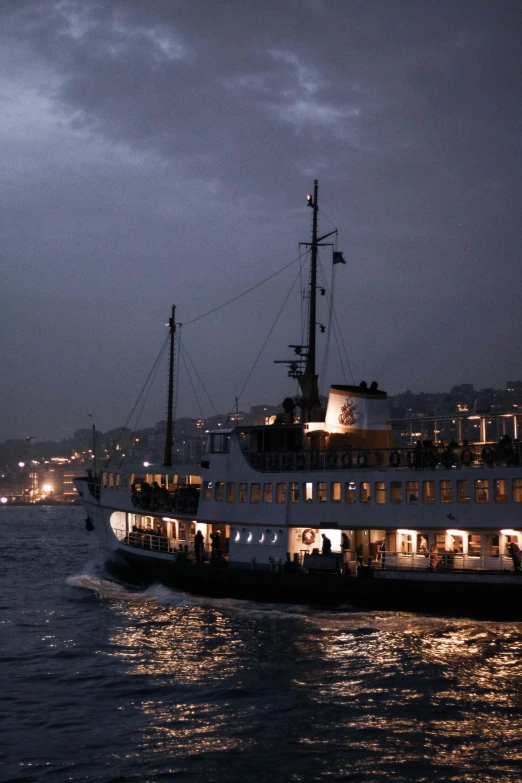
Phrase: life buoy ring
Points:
(394, 459)
(308, 536)
(362, 460)
(487, 455)
(466, 457)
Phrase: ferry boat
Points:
(323, 505)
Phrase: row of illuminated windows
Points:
(445, 491)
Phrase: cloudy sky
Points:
(159, 152)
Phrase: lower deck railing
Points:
(442, 561)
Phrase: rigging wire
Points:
(187, 369)
(150, 377)
(267, 338)
(187, 356)
(253, 288)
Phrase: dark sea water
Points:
(102, 682)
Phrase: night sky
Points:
(160, 152)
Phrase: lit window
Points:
(349, 492)
(428, 491)
(242, 494)
(412, 491)
(321, 492)
(396, 492)
(456, 545)
(517, 490)
(492, 545)
(207, 490)
(501, 491)
(336, 491)
(281, 493)
(474, 545)
(481, 491)
(380, 492)
(308, 491)
(231, 492)
(407, 543)
(255, 492)
(364, 492)
(294, 492)
(422, 544)
(446, 493)
(219, 493)
(267, 493)
(463, 491)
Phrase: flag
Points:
(338, 258)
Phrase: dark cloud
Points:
(159, 152)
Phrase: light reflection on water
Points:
(409, 696)
(112, 683)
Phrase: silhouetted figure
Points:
(345, 542)
(516, 555)
(382, 553)
(199, 546)
(327, 545)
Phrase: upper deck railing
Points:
(420, 457)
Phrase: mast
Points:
(308, 380)
(167, 459)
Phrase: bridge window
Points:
(336, 491)
(267, 493)
(281, 493)
(243, 492)
(365, 492)
(517, 490)
(501, 491)
(412, 491)
(380, 492)
(294, 492)
(349, 492)
(446, 493)
(231, 492)
(396, 492)
(463, 491)
(219, 493)
(321, 492)
(220, 443)
(255, 492)
(481, 491)
(428, 492)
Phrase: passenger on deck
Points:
(516, 555)
(345, 542)
(327, 545)
(382, 553)
(199, 546)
